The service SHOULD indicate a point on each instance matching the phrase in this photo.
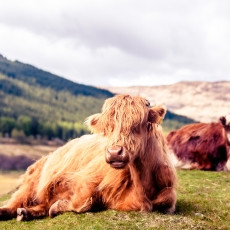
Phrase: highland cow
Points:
(123, 165)
(203, 146)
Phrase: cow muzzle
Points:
(117, 156)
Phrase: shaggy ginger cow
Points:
(124, 165)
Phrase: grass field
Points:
(203, 203)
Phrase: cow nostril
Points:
(120, 151)
(115, 150)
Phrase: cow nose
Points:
(115, 150)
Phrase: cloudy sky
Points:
(120, 42)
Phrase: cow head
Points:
(225, 121)
(127, 123)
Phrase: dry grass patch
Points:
(8, 181)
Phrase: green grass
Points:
(203, 203)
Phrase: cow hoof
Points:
(53, 210)
(170, 210)
(21, 214)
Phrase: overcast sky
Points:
(120, 42)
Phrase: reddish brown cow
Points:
(202, 146)
(124, 165)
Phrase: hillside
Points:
(38, 102)
(37, 77)
(35, 102)
(201, 101)
(26, 90)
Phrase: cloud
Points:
(120, 42)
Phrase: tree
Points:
(7, 124)
(25, 124)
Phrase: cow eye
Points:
(147, 103)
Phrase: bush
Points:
(18, 135)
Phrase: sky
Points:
(120, 42)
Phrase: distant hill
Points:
(37, 77)
(27, 90)
(36, 102)
(201, 101)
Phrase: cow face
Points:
(127, 123)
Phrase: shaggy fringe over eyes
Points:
(122, 113)
(118, 115)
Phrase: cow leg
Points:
(7, 214)
(75, 205)
(165, 201)
(18, 200)
(59, 207)
(24, 196)
(35, 212)
(9, 211)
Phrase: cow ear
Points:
(93, 123)
(157, 114)
(223, 121)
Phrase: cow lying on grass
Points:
(124, 165)
(202, 146)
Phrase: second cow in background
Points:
(203, 146)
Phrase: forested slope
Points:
(35, 103)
